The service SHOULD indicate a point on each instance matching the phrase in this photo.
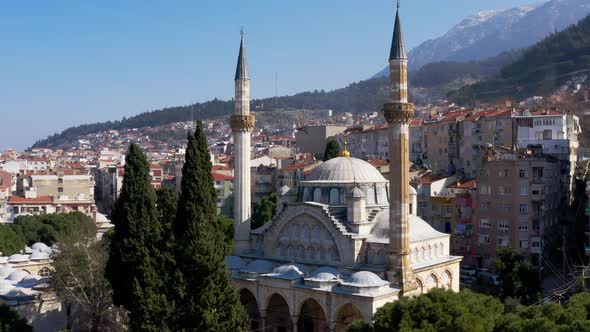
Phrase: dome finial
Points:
(345, 152)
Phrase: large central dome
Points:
(345, 170)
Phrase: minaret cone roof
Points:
(398, 50)
(242, 67)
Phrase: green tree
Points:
(134, 268)
(519, 280)
(48, 228)
(206, 299)
(10, 242)
(264, 211)
(226, 225)
(332, 149)
(79, 282)
(10, 321)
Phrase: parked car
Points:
(468, 270)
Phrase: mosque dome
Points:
(6, 271)
(40, 246)
(17, 276)
(324, 274)
(290, 272)
(5, 286)
(365, 279)
(345, 170)
(420, 230)
(3, 259)
(29, 281)
(18, 258)
(39, 255)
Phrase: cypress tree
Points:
(332, 149)
(133, 268)
(207, 300)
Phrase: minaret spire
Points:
(242, 123)
(398, 113)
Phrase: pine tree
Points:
(207, 300)
(133, 268)
(332, 149)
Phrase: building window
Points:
(334, 196)
(524, 244)
(485, 223)
(60, 189)
(45, 272)
(484, 172)
(483, 239)
(317, 195)
(504, 190)
(524, 209)
(503, 225)
(485, 189)
(504, 207)
(503, 242)
(522, 173)
(523, 226)
(524, 189)
(484, 206)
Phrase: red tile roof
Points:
(220, 168)
(464, 184)
(378, 162)
(221, 177)
(295, 167)
(36, 200)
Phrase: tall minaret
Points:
(398, 113)
(242, 123)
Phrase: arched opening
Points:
(317, 195)
(447, 280)
(334, 196)
(249, 302)
(312, 317)
(347, 314)
(278, 318)
(420, 286)
(431, 282)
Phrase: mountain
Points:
(488, 33)
(541, 69)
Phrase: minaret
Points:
(242, 123)
(398, 113)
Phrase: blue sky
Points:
(64, 63)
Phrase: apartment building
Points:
(443, 139)
(223, 185)
(519, 201)
(463, 241)
(313, 139)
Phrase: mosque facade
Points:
(347, 240)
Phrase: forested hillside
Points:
(362, 96)
(540, 70)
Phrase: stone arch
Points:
(420, 284)
(317, 195)
(432, 281)
(334, 196)
(345, 315)
(312, 316)
(249, 301)
(447, 280)
(278, 313)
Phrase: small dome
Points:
(28, 250)
(3, 259)
(324, 274)
(29, 281)
(234, 262)
(285, 190)
(17, 276)
(5, 286)
(18, 258)
(39, 246)
(290, 272)
(345, 170)
(39, 255)
(365, 279)
(101, 218)
(419, 229)
(356, 192)
(258, 266)
(6, 271)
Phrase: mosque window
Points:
(295, 232)
(311, 254)
(305, 231)
(432, 281)
(283, 251)
(316, 233)
(322, 254)
(370, 195)
(334, 196)
(333, 255)
(301, 252)
(317, 195)
(45, 272)
(292, 252)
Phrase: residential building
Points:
(313, 139)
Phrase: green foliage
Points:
(226, 226)
(519, 280)
(332, 149)
(134, 267)
(79, 281)
(10, 242)
(541, 68)
(48, 228)
(206, 300)
(264, 211)
(440, 310)
(10, 321)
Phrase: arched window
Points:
(334, 255)
(334, 196)
(301, 252)
(317, 195)
(305, 232)
(283, 251)
(420, 286)
(45, 272)
(316, 233)
(447, 280)
(432, 281)
(291, 251)
(295, 232)
(311, 254)
(371, 195)
(322, 254)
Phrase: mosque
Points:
(349, 240)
